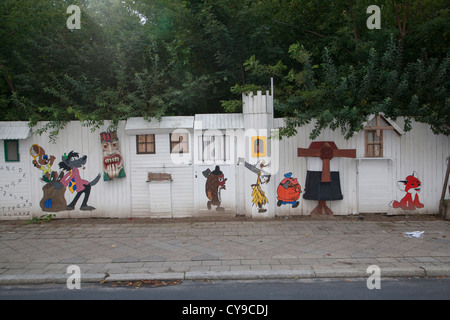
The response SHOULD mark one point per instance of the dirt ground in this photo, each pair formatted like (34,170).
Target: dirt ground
(362,217)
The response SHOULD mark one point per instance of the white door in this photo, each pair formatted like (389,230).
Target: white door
(160,198)
(374,185)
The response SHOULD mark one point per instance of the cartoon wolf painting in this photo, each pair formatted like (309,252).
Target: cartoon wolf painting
(73,181)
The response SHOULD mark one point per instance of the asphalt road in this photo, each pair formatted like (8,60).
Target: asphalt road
(254,290)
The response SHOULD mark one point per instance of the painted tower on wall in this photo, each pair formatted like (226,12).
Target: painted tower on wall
(261,154)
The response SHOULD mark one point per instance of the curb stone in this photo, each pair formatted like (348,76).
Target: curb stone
(429,271)
(436,271)
(46,279)
(340,273)
(145,276)
(250,275)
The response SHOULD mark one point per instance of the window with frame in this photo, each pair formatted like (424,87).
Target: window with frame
(259,146)
(11,150)
(179,142)
(214,146)
(145,144)
(374,143)
(374,132)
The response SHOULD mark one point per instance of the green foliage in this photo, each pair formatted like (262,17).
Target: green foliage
(152,58)
(355,72)
(110,69)
(43,218)
(232,106)
(345,97)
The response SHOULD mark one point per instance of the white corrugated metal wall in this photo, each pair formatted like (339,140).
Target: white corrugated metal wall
(419,150)
(110,198)
(290,162)
(181,188)
(16,200)
(422,151)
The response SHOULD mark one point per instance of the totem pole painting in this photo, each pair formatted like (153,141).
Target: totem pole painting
(112,157)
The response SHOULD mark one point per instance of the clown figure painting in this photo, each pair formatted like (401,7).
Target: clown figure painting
(112,158)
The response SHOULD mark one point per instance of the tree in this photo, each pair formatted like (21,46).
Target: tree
(344,97)
(169,57)
(356,72)
(110,69)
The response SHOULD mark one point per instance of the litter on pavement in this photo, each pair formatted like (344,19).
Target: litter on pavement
(414,234)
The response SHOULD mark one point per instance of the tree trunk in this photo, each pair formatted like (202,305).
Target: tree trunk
(7,79)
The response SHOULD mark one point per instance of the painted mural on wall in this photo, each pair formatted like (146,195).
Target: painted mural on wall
(258,196)
(411,185)
(288,191)
(112,158)
(53,199)
(215,183)
(43,162)
(15,200)
(324,185)
(72,179)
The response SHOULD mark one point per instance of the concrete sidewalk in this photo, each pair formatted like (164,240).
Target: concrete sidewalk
(140,249)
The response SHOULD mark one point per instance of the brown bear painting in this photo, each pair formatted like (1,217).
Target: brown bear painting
(215,182)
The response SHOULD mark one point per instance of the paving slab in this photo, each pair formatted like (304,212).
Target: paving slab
(215,249)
